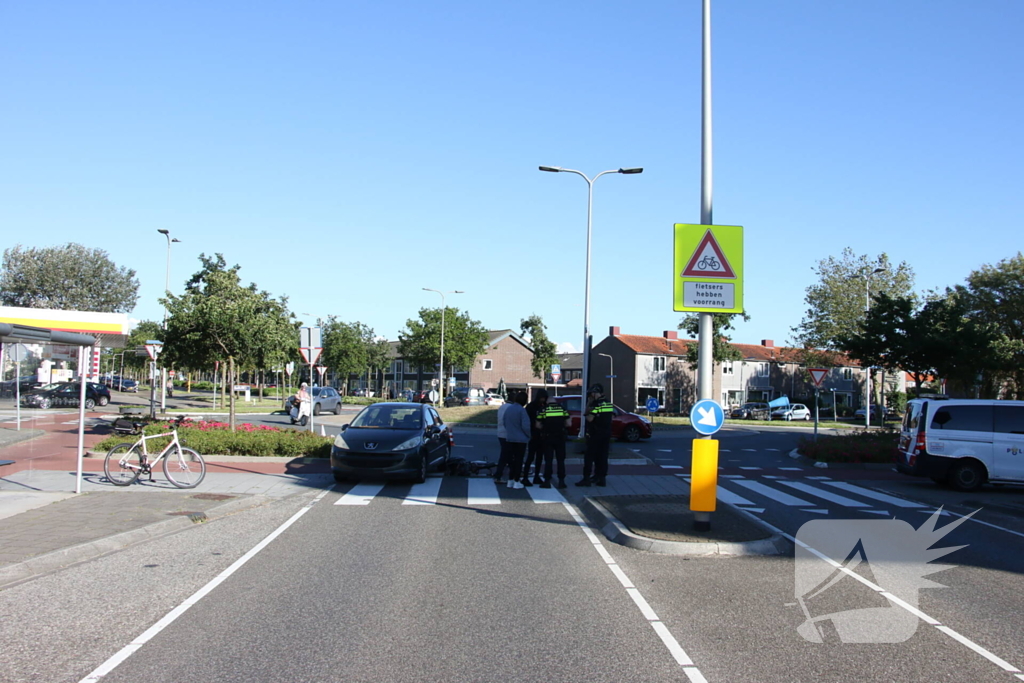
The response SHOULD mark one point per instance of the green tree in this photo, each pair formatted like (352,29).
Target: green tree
(345,347)
(836,303)
(721,349)
(420,341)
(144,331)
(216,318)
(378,357)
(70,277)
(545,352)
(995,296)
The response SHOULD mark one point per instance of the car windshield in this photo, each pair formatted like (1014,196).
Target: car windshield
(51,387)
(384,416)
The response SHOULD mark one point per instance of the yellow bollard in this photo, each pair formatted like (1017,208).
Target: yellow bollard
(704,481)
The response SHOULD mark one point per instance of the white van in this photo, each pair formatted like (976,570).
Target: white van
(963,442)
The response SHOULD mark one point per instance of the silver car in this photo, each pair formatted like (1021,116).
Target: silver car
(794,411)
(324,399)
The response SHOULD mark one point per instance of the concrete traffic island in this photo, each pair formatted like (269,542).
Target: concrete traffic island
(665,524)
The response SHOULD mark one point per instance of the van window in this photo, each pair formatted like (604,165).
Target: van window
(963,418)
(1010,419)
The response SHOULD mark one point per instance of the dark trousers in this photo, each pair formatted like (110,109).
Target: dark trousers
(595,458)
(534,454)
(515,457)
(503,461)
(554,449)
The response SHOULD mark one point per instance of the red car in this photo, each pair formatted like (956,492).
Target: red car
(626,426)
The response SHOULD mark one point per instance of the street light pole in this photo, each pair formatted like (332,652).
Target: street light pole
(586,295)
(167,292)
(611,375)
(440,369)
(867,308)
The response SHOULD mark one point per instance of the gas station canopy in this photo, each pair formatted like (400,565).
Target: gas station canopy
(79,328)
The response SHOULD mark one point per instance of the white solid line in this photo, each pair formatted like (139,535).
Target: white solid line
(750,468)
(672,644)
(748,509)
(975,519)
(820,511)
(483,491)
(1002,663)
(127,651)
(425,493)
(694,674)
(791,469)
(777,496)
(826,495)
(621,576)
(892,598)
(360,494)
(672,467)
(875,495)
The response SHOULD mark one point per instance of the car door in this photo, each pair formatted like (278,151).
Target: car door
(1008,443)
(962,430)
(437,440)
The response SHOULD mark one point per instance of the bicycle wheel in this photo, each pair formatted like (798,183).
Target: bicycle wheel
(185,469)
(123,464)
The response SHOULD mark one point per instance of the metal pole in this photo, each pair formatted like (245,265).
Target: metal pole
(81,418)
(867,375)
(611,375)
(705,341)
(17,385)
(440,369)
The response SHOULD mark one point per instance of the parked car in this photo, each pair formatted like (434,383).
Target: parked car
(465,396)
(25,384)
(392,440)
(121,383)
(963,442)
(626,426)
(878,414)
(751,411)
(493,399)
(794,411)
(66,395)
(324,398)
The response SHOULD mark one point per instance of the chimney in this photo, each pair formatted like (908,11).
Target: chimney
(767,343)
(613,331)
(671,334)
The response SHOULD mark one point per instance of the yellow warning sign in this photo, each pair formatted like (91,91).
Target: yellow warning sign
(708,268)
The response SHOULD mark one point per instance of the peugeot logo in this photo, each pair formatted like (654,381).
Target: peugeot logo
(371,445)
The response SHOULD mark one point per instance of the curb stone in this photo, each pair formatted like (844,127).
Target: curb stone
(617,532)
(65,557)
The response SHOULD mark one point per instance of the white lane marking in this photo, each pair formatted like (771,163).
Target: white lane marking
(875,495)
(820,478)
(791,469)
(974,519)
(819,511)
(671,644)
(540,495)
(664,450)
(483,491)
(724,450)
(748,509)
(901,603)
(425,493)
(773,476)
(460,445)
(826,495)
(883,513)
(127,651)
(777,496)
(360,494)
(727,496)
(732,476)
(772,449)
(749,450)
(750,468)
(672,467)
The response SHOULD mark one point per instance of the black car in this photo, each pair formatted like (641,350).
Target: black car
(26,383)
(66,395)
(392,440)
(466,396)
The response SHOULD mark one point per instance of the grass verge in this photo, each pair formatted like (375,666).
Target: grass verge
(216,438)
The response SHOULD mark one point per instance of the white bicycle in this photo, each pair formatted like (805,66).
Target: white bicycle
(182,466)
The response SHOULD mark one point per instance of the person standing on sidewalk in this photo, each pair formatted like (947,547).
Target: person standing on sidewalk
(499,476)
(599,436)
(535,449)
(517,436)
(553,421)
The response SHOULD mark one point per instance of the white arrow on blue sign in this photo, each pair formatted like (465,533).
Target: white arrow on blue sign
(652,405)
(707,417)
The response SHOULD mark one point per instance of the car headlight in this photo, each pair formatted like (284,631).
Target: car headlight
(644,419)
(414,442)
(339,442)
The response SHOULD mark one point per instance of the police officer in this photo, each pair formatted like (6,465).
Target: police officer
(553,422)
(599,435)
(535,449)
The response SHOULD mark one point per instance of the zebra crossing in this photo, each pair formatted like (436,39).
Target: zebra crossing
(478,492)
(820,497)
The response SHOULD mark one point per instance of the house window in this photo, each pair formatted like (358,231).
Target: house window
(847,373)
(762,369)
(488,364)
(659,363)
(727,369)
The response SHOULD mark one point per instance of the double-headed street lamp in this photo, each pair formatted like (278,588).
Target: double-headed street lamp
(586,295)
(867,308)
(440,368)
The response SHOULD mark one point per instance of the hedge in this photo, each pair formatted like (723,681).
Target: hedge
(860,446)
(216,438)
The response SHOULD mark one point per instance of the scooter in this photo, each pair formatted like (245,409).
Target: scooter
(300,414)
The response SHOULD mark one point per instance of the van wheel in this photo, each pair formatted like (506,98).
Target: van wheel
(966,476)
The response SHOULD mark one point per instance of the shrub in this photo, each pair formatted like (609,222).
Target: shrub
(216,438)
(861,446)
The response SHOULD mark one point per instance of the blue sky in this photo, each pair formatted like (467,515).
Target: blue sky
(349,154)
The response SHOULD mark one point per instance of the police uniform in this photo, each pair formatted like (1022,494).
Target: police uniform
(599,436)
(552,419)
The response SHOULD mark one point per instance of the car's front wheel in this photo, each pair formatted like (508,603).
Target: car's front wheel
(422,475)
(89,404)
(631,433)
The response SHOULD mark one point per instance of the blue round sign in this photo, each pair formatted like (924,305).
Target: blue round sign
(652,405)
(707,417)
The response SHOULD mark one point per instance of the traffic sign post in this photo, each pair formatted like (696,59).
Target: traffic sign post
(310,348)
(707,417)
(817,376)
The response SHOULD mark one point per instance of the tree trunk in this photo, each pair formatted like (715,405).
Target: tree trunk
(231,418)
